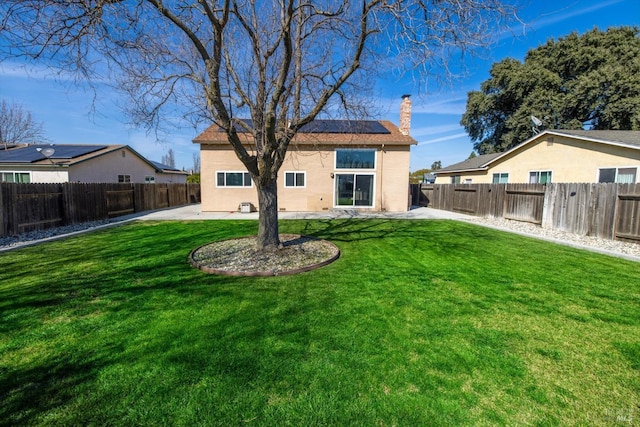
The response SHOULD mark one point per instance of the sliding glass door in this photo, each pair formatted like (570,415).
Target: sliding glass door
(354,189)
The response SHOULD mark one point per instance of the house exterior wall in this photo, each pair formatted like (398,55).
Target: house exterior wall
(568,159)
(107,167)
(170,178)
(479,177)
(391,179)
(42,175)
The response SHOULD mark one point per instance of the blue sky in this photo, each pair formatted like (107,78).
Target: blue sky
(67,116)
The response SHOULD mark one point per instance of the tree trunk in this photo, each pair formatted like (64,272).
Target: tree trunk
(268,235)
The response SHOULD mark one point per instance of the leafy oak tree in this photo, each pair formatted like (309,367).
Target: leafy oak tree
(579,81)
(279,63)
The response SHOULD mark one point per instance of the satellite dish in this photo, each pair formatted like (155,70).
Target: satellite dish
(536,123)
(47,152)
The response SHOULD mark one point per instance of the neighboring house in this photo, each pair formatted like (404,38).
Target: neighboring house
(590,156)
(82,163)
(330,164)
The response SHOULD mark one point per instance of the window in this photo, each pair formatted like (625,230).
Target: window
(468,181)
(354,190)
(619,175)
(500,178)
(19,177)
(150,179)
(294,179)
(124,178)
(233,179)
(455,179)
(539,177)
(355,159)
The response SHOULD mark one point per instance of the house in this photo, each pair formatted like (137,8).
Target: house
(82,163)
(589,156)
(330,164)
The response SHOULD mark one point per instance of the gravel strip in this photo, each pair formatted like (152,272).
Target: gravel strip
(619,248)
(43,235)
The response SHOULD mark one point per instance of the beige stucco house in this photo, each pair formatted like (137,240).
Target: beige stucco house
(82,163)
(330,164)
(555,156)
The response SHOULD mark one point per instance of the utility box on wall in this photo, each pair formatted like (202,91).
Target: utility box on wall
(245,207)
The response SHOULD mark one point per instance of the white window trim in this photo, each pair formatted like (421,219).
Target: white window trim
(232,186)
(354,172)
(539,171)
(295,186)
(335,159)
(617,168)
(124,175)
(499,173)
(20,172)
(150,179)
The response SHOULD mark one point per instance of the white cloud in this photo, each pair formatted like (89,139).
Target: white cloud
(443,139)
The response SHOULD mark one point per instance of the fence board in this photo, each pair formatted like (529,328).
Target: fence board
(607,211)
(524,202)
(27,207)
(628,213)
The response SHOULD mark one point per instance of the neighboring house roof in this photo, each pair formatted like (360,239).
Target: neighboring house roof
(477,163)
(334,132)
(166,168)
(68,155)
(621,138)
(63,153)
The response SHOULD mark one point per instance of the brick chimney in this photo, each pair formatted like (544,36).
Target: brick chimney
(405,115)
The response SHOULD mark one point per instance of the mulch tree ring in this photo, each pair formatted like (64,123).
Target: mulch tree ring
(240,257)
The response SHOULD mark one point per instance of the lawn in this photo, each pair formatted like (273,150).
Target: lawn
(417,323)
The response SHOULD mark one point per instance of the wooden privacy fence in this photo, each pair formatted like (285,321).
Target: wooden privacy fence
(610,211)
(28,207)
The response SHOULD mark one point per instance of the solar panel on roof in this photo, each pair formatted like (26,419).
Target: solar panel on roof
(30,154)
(73,151)
(345,126)
(333,126)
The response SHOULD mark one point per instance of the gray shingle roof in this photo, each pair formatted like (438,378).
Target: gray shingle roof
(631,137)
(478,162)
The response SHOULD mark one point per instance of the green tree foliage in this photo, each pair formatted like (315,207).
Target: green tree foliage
(194,178)
(417,176)
(580,81)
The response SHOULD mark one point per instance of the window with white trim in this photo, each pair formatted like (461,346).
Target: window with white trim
(19,177)
(233,179)
(618,175)
(539,177)
(295,179)
(124,178)
(500,178)
(355,158)
(150,179)
(455,179)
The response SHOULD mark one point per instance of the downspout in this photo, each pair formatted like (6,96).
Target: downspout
(382,208)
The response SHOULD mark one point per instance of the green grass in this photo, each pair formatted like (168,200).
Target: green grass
(417,323)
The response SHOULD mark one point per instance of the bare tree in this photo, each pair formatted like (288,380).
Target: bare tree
(196,163)
(279,63)
(17,126)
(169,159)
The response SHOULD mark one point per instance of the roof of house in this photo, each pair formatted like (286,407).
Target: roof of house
(68,155)
(623,138)
(166,168)
(480,162)
(333,132)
